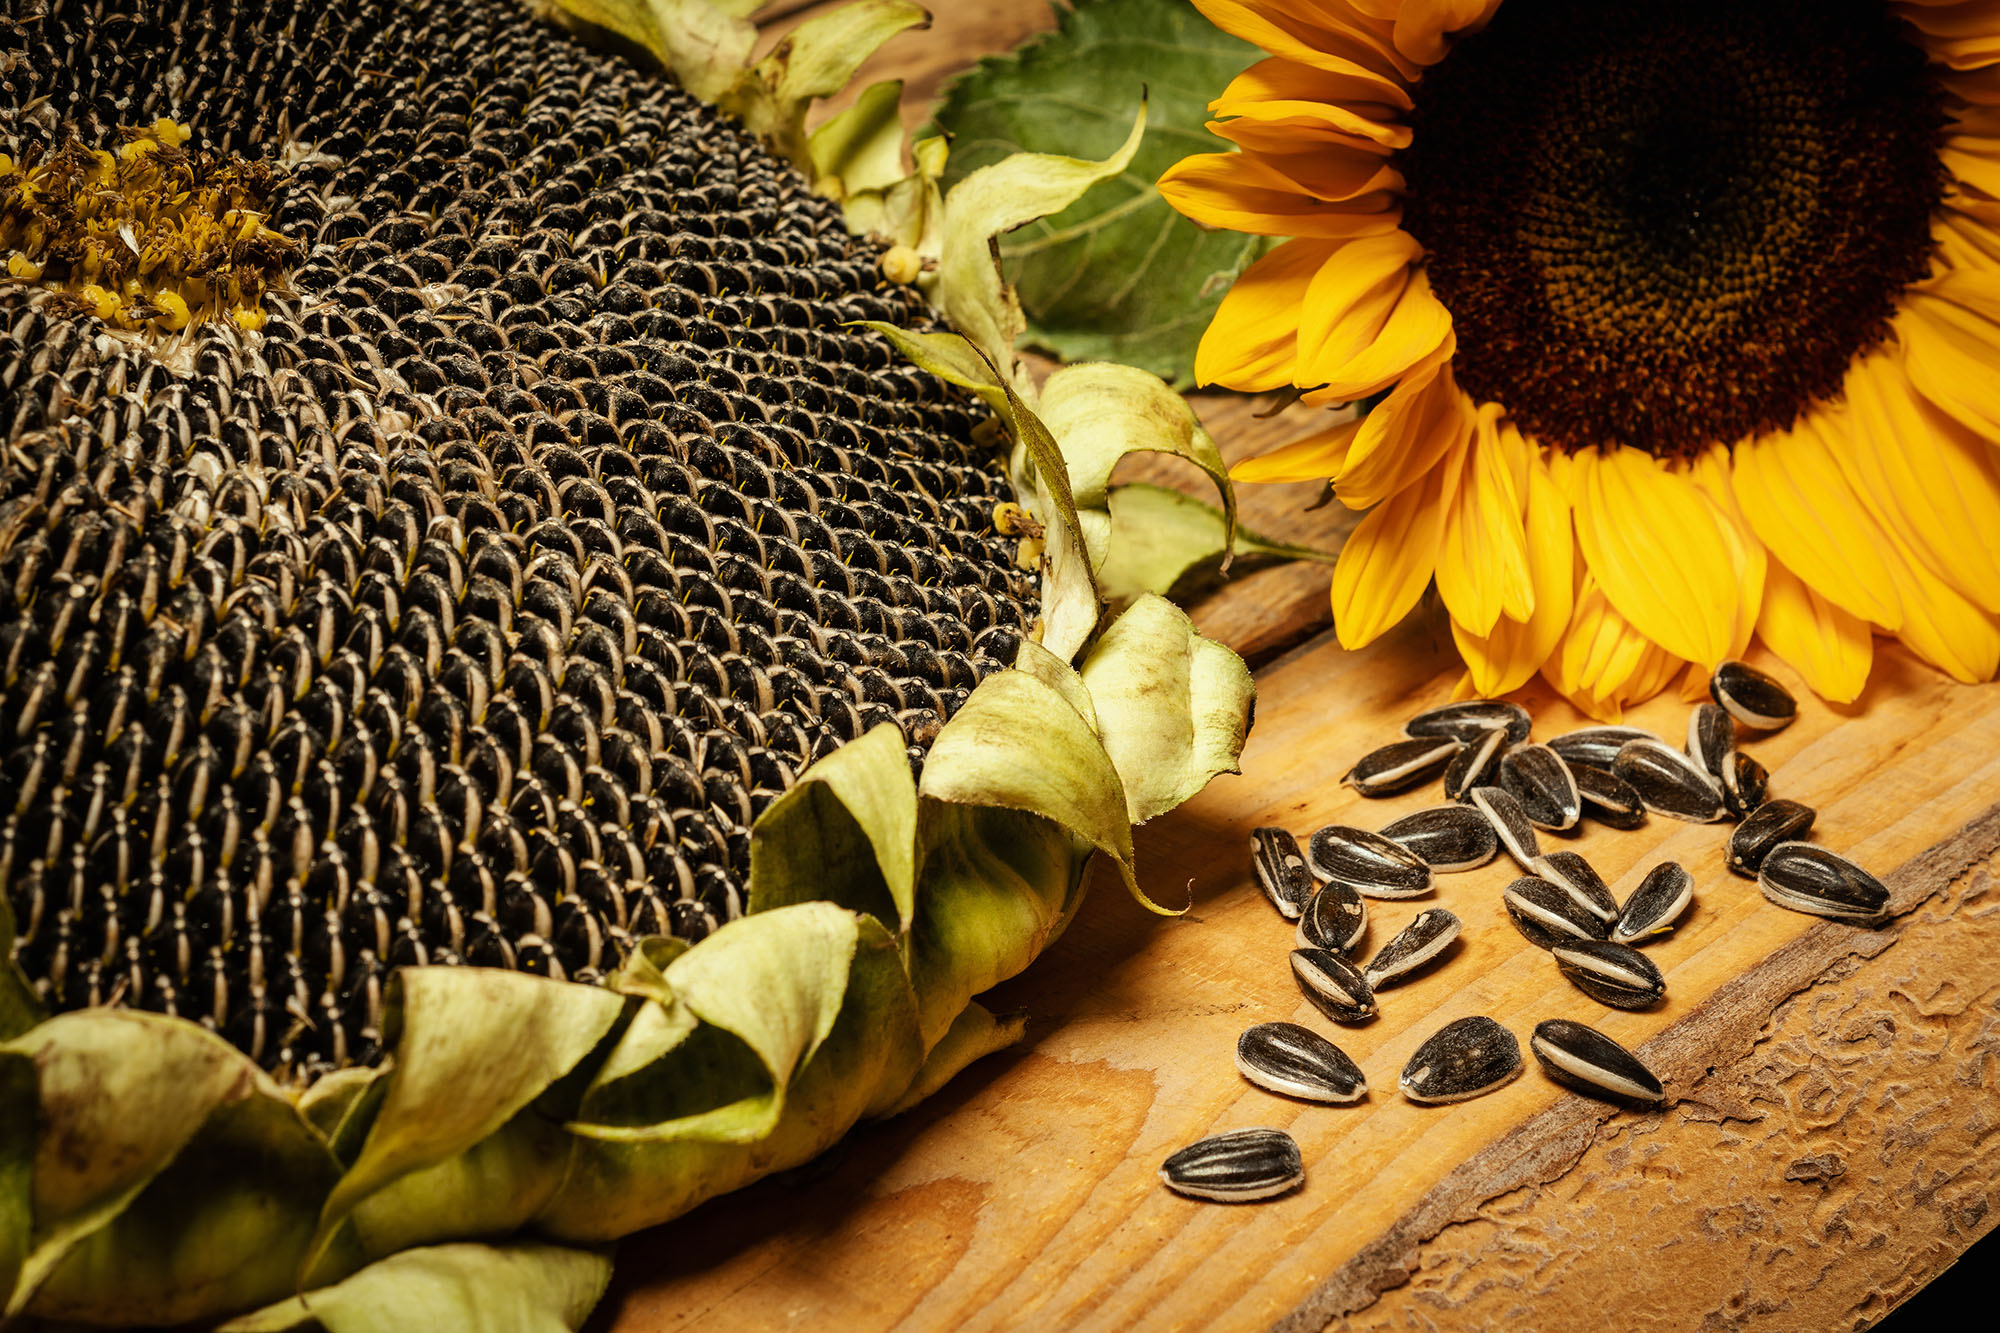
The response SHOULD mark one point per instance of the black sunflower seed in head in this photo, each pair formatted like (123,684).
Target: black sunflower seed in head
(1447,838)
(1416,945)
(1369,862)
(1516,834)
(1297,1062)
(1236,1167)
(1597,746)
(1608,798)
(1613,974)
(1744,784)
(1537,777)
(1711,739)
(1334,918)
(1655,907)
(1546,915)
(1764,828)
(1280,869)
(1477,765)
(1401,765)
(1812,879)
(1468,721)
(1334,986)
(1462,1060)
(1585,1059)
(1753,698)
(1668,782)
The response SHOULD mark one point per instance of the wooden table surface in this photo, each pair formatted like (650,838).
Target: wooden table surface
(1831,1141)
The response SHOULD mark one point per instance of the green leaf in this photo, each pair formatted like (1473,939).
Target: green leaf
(1119,275)
(522,1288)
(1165,542)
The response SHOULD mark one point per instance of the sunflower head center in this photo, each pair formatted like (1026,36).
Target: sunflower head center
(1673,225)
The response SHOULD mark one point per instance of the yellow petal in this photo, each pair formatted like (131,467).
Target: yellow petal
(1424,27)
(1655,545)
(1415,327)
(1960,36)
(1509,657)
(1317,455)
(1710,472)
(1940,626)
(1389,557)
(1252,343)
(1327,36)
(1830,648)
(1482,565)
(1424,418)
(1950,330)
(1289,81)
(1240,192)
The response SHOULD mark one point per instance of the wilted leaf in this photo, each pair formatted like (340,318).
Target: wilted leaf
(1165,542)
(523,1288)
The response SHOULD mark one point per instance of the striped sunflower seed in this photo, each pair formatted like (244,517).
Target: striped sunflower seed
(1447,838)
(1399,766)
(1417,944)
(1668,782)
(1237,1167)
(1281,871)
(1470,720)
(1537,777)
(1477,765)
(1334,985)
(1812,879)
(1613,974)
(1516,834)
(1752,697)
(1585,1059)
(1369,862)
(1744,783)
(1546,915)
(1460,1061)
(1597,746)
(1711,739)
(1297,1062)
(1768,825)
(1334,919)
(1579,878)
(1655,907)
(1608,798)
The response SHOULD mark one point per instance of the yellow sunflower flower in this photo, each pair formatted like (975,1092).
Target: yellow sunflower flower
(1676,322)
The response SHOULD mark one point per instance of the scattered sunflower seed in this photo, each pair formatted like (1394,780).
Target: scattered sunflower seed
(1447,838)
(1334,919)
(1608,798)
(1752,697)
(1415,945)
(1668,782)
(1812,879)
(1546,915)
(1281,871)
(1744,783)
(1236,1167)
(1537,777)
(1597,746)
(1401,765)
(1585,1059)
(1768,825)
(1656,905)
(1297,1062)
(1369,862)
(1516,834)
(1334,985)
(1579,878)
(1613,974)
(1477,765)
(1468,721)
(1711,739)
(1462,1060)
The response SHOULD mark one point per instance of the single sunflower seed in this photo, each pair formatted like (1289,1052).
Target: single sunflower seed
(1711,739)
(1516,834)
(1447,838)
(1399,766)
(1579,878)
(1334,985)
(1297,1062)
(1334,919)
(1812,879)
(1418,943)
(1585,1059)
(1477,765)
(1369,862)
(1597,746)
(1460,1061)
(1468,721)
(1668,782)
(1744,784)
(1613,974)
(1764,828)
(1537,777)
(1608,798)
(1236,1167)
(1655,907)
(1546,915)
(1753,698)
(1281,870)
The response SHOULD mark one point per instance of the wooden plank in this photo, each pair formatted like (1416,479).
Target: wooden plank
(1026,1193)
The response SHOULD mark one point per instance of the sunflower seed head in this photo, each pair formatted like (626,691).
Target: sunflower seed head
(1401,765)
(1744,784)
(1369,862)
(1470,720)
(1536,776)
(1416,945)
(1597,746)
(1297,1062)
(1334,985)
(1477,765)
(1579,878)
(1711,739)
(1460,1061)
(1333,919)
(1236,1167)
(1668,782)
(1511,826)
(1447,838)
(1812,879)
(1753,698)
(1613,974)
(1608,798)
(1655,907)
(1585,1059)
(1764,828)
(1546,915)
(1280,869)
